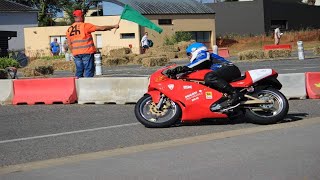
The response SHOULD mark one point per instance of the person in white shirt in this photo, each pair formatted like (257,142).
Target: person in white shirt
(277,36)
(144,42)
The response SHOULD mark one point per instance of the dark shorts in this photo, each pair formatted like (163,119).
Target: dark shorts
(145,47)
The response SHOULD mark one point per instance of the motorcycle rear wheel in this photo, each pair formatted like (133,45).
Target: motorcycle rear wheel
(148,115)
(269,113)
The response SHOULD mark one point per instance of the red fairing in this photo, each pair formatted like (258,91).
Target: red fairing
(193,98)
(246,82)
(254,76)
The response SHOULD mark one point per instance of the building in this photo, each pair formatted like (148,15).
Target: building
(262,16)
(5,36)
(171,15)
(15,17)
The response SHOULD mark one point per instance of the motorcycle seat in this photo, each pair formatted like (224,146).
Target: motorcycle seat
(239,78)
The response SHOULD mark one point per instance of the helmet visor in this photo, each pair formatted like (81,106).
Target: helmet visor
(189,55)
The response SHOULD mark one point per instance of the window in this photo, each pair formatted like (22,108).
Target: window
(165,21)
(282,24)
(127,35)
(201,36)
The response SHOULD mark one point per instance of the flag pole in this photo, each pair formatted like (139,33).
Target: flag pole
(118,24)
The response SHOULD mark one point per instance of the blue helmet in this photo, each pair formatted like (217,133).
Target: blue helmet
(197,51)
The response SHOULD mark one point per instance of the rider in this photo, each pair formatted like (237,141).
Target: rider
(223,72)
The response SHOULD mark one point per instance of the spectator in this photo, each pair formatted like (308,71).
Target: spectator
(55,47)
(81,44)
(145,42)
(65,46)
(277,36)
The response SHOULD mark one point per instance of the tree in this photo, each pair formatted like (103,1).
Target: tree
(68,6)
(49,8)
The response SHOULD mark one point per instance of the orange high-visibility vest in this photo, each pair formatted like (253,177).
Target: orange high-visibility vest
(80,38)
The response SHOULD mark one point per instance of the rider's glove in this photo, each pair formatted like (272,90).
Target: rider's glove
(181,69)
(178,70)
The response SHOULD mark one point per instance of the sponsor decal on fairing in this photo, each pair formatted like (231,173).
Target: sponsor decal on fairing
(187,87)
(194,95)
(209,95)
(171,86)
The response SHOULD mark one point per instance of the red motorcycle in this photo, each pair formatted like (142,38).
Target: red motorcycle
(186,98)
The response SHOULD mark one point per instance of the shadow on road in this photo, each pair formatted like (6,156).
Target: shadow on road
(294,117)
(291,117)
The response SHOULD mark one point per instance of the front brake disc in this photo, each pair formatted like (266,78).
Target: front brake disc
(155,111)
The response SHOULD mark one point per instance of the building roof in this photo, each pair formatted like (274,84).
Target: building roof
(8,6)
(158,7)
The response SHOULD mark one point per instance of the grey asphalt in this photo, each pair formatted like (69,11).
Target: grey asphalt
(118,128)
(108,127)
(280,154)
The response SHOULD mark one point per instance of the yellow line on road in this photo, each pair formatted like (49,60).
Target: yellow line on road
(147,147)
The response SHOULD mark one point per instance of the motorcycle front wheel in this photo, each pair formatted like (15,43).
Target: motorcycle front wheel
(270,113)
(150,116)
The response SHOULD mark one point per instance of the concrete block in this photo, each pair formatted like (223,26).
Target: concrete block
(6,92)
(118,90)
(293,85)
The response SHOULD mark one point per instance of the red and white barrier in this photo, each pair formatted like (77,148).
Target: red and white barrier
(6,92)
(44,91)
(313,85)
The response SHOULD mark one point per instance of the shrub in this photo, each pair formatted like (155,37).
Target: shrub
(177,37)
(278,53)
(316,50)
(3,74)
(251,54)
(8,62)
(53,57)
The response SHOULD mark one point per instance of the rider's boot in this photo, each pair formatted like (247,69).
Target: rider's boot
(230,101)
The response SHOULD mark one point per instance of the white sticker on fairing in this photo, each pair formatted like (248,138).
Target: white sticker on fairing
(187,87)
(193,95)
(258,74)
(171,86)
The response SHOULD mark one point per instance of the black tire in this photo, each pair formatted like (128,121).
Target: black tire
(152,118)
(280,105)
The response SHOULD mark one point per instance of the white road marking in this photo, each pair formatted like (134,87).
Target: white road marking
(289,69)
(313,67)
(67,133)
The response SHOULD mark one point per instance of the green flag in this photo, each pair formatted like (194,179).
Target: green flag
(131,14)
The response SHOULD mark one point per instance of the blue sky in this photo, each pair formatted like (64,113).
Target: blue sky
(111,9)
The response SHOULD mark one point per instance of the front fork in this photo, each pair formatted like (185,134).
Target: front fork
(161,102)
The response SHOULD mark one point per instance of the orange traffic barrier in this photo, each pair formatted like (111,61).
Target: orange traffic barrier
(280,46)
(44,91)
(313,85)
(223,52)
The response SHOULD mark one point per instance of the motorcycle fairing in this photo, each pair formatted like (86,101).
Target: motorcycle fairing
(253,76)
(258,74)
(190,96)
